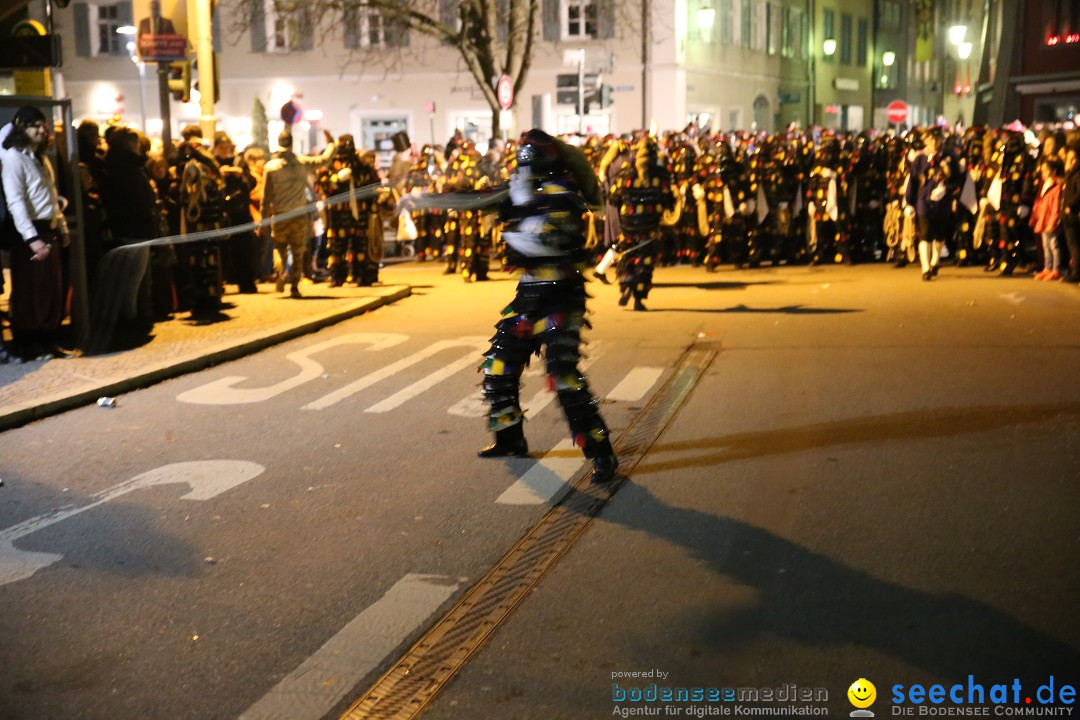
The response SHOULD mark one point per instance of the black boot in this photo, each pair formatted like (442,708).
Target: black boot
(639,306)
(508,443)
(604,467)
(625,296)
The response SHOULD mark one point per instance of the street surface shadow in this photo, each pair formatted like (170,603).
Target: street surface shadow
(819,602)
(116,538)
(935,423)
(786,310)
(717,285)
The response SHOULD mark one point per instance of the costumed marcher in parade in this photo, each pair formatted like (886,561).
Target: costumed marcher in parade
(867,199)
(466,249)
(355,250)
(545,239)
(642,192)
(823,209)
(285,186)
(774,171)
(426,175)
(929,201)
(617,155)
(971,171)
(1010,195)
(40,230)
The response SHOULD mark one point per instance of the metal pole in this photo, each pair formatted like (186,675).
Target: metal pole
(645,11)
(166,111)
(142,93)
(581,92)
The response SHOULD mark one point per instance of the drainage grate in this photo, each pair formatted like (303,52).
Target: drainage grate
(413,681)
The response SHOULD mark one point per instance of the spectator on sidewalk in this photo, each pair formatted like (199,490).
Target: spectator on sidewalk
(1070,212)
(238,256)
(37,289)
(1046,217)
(285,183)
(122,291)
(254,160)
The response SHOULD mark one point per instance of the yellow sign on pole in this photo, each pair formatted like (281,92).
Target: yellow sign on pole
(33,82)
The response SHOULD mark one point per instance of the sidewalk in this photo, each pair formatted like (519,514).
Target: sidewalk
(250,323)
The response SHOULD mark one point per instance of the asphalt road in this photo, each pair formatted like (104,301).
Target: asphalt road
(875,477)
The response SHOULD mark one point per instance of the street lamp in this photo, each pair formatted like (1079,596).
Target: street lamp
(829,47)
(957,33)
(963,50)
(888,59)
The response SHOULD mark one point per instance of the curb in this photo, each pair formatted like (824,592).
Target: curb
(28,412)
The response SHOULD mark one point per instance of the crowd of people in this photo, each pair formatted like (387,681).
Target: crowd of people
(1006,199)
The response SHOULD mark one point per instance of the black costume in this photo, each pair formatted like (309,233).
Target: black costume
(353,228)
(641,192)
(545,239)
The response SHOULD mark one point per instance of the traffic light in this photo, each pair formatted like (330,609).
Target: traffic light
(605,96)
(601,97)
(566,87)
(180,80)
(217,79)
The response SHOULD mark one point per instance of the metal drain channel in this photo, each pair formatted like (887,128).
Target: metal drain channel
(415,679)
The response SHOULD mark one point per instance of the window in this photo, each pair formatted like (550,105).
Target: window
(579,19)
(282,26)
(745,15)
(109,20)
(759,25)
(729,20)
(828,27)
(792,40)
(370,30)
(776,27)
(888,15)
(862,42)
(845,39)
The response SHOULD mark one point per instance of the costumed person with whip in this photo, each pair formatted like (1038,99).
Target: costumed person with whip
(545,239)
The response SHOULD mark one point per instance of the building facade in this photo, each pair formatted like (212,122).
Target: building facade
(727,64)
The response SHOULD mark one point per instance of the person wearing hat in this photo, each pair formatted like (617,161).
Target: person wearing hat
(37,288)
(285,183)
(545,239)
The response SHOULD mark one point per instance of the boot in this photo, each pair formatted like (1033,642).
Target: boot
(604,467)
(639,306)
(624,298)
(508,443)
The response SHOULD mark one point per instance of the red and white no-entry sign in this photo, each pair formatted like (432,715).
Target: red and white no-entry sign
(504,91)
(897,112)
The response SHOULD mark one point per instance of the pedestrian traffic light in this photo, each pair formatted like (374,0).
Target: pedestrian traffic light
(180,80)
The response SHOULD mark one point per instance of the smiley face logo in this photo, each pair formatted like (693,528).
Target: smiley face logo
(862,693)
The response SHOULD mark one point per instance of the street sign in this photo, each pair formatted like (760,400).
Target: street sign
(504,91)
(291,112)
(897,112)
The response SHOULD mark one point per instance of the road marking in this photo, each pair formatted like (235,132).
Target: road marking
(636,384)
(474,405)
(393,369)
(546,480)
(221,392)
(401,397)
(207,479)
(313,688)
(1013,298)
